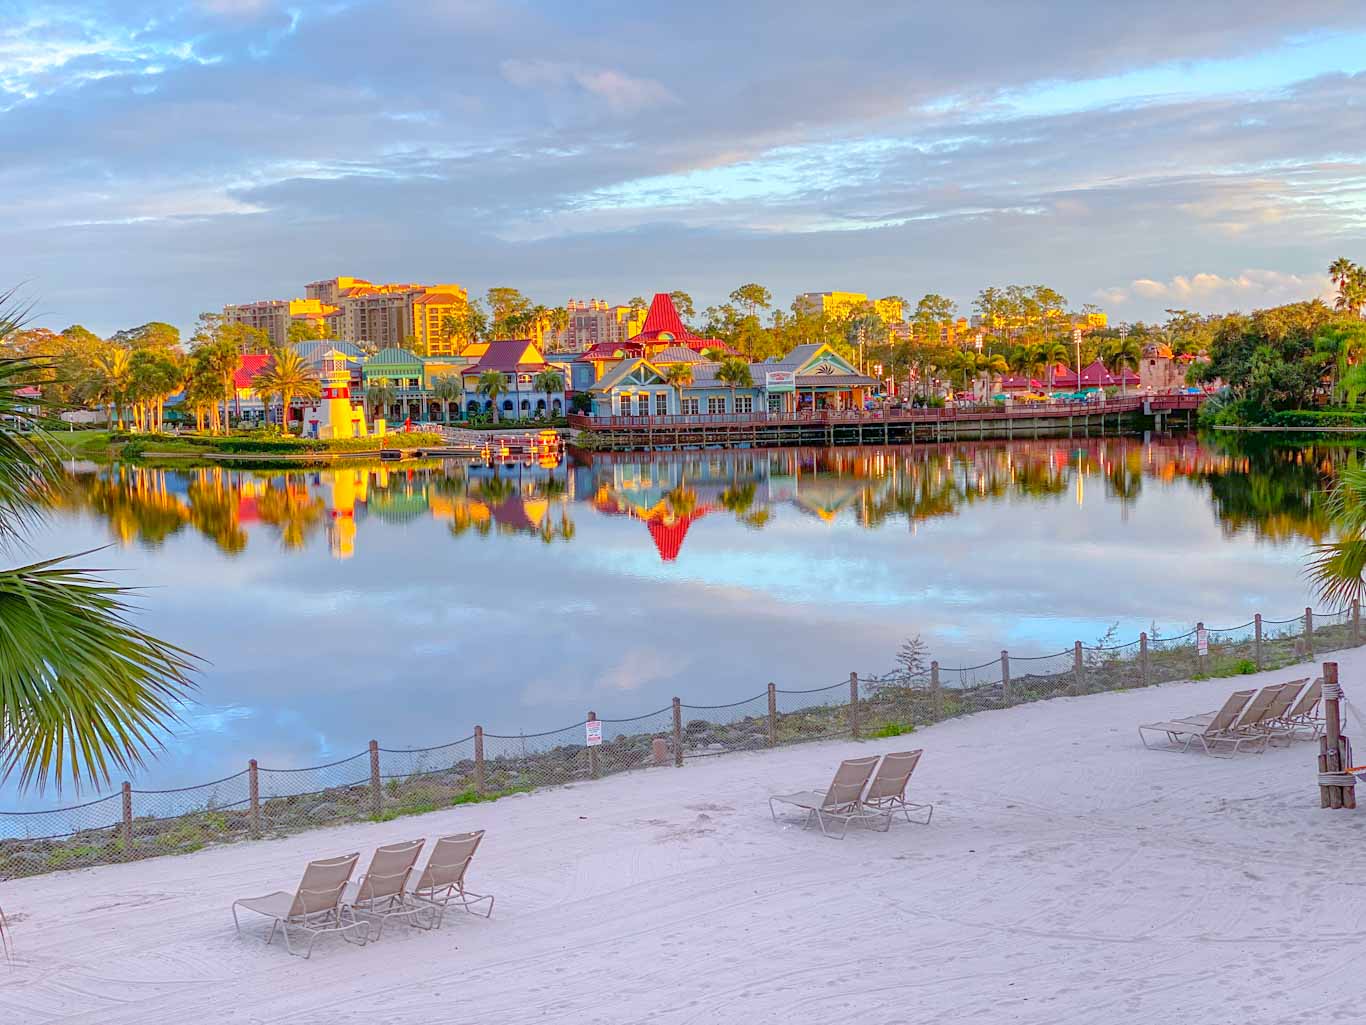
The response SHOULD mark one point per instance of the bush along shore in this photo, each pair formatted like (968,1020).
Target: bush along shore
(381,784)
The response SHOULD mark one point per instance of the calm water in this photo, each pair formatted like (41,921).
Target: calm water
(335,606)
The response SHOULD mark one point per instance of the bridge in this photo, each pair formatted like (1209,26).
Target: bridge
(949,423)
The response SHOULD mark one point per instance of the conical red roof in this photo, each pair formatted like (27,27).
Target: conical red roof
(668,537)
(662,317)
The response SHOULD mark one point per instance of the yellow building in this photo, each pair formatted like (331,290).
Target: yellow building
(431,313)
(840,304)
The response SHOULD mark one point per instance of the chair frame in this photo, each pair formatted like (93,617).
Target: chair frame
(331,919)
(845,806)
(391,902)
(890,803)
(436,898)
(1222,729)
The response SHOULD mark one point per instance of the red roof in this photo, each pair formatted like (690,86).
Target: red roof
(668,537)
(248,367)
(1093,376)
(662,316)
(610,350)
(508,357)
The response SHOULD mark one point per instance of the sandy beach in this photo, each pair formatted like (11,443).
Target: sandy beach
(1069,875)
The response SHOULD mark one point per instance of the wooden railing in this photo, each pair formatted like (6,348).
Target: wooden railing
(1158,402)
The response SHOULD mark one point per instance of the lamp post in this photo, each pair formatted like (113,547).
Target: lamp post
(1076,342)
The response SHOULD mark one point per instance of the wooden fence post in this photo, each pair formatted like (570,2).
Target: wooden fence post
(853,705)
(1333,746)
(1309,632)
(772,715)
(1356,622)
(254,797)
(1143,673)
(479,759)
(594,759)
(936,697)
(1257,640)
(678,733)
(1077,687)
(376,796)
(1201,661)
(1005,678)
(126,830)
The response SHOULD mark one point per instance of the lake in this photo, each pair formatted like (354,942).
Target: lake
(409,602)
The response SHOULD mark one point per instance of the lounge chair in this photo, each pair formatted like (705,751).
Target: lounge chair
(1273,723)
(314,908)
(443,880)
(842,802)
(1219,730)
(379,894)
(887,789)
(1304,715)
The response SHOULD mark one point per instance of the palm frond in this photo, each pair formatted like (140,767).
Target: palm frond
(82,691)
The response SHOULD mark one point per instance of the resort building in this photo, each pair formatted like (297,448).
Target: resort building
(1160,370)
(330,290)
(809,377)
(840,304)
(594,322)
(274,316)
(520,363)
(662,329)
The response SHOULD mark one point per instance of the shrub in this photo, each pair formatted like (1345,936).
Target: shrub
(894,729)
(1317,418)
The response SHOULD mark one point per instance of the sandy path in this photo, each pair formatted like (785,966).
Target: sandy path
(1069,876)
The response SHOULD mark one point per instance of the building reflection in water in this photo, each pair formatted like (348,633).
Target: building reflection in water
(1273,493)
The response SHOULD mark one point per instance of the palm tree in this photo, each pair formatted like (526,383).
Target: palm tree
(679,376)
(1337,566)
(1347,276)
(448,388)
(734,373)
(491,385)
(110,380)
(1051,354)
(286,375)
(548,382)
(82,691)
(379,393)
(218,361)
(1120,355)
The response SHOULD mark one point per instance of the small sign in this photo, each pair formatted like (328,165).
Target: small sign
(777,381)
(594,731)
(1202,641)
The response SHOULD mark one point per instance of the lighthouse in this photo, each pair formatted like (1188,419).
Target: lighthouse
(335,415)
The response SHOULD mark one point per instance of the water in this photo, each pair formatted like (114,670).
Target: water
(408,605)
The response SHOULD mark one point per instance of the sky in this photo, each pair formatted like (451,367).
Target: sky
(160,159)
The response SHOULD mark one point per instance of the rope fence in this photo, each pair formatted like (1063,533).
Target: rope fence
(382,783)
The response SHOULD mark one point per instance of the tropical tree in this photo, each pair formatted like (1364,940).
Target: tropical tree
(201,399)
(109,380)
(1337,566)
(683,303)
(1122,354)
(1053,353)
(380,394)
(1350,279)
(734,373)
(218,359)
(548,382)
(82,691)
(154,376)
(678,376)
(448,388)
(491,385)
(286,375)
(753,297)
(974,366)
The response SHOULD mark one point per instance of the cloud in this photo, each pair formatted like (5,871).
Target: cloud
(1208,292)
(622,93)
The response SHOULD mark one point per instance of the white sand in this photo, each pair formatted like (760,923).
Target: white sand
(1069,876)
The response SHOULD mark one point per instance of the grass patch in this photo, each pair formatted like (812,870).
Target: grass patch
(894,729)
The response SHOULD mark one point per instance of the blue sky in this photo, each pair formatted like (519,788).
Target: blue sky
(163,159)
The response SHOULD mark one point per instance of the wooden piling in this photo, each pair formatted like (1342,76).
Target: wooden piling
(1201,660)
(1333,746)
(1144,674)
(1257,640)
(1077,687)
(126,829)
(1005,678)
(936,696)
(376,795)
(254,797)
(479,759)
(772,715)
(678,733)
(853,705)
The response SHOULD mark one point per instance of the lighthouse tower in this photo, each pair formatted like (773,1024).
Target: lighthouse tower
(335,415)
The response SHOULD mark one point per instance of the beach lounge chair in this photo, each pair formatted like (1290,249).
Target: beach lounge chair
(379,894)
(842,802)
(1273,723)
(1219,730)
(1304,715)
(887,789)
(443,880)
(314,908)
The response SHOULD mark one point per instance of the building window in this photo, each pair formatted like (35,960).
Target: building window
(643,404)
(661,403)
(626,405)
(775,403)
(744,404)
(716,404)
(689,407)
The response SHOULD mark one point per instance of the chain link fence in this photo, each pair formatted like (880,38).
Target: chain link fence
(382,783)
